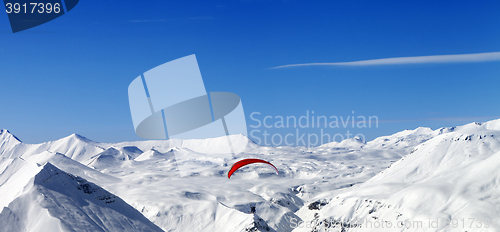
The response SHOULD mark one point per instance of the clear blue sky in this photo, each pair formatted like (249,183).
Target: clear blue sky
(71,75)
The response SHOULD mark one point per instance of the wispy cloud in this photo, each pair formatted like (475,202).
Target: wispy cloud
(169,20)
(459,58)
(148,20)
(200,18)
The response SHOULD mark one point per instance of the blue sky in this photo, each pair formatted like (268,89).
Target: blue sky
(71,75)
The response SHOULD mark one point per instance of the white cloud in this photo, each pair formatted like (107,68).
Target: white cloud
(147,20)
(169,20)
(460,58)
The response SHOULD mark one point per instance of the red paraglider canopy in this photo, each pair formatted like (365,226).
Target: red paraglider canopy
(245,162)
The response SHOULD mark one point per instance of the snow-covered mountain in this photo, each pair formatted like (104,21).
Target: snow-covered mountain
(450,182)
(355,142)
(53,200)
(7,141)
(447,173)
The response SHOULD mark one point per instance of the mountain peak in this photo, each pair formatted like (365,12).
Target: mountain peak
(79,137)
(5,134)
(48,170)
(58,197)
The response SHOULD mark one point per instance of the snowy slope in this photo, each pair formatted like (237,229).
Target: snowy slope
(207,200)
(408,175)
(110,157)
(54,200)
(16,174)
(449,183)
(355,142)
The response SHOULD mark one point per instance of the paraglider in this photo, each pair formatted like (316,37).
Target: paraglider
(245,162)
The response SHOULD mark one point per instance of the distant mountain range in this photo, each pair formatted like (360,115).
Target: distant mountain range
(420,175)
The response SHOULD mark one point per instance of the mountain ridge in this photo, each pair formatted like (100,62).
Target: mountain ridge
(87,206)
(373,179)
